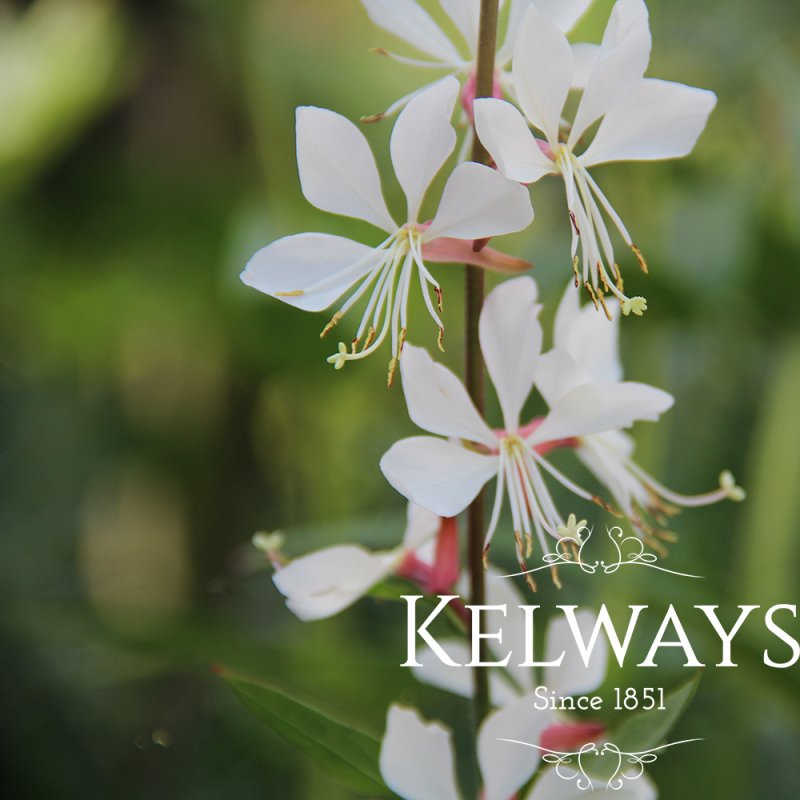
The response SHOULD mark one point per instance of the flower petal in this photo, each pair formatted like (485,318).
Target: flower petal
(323,583)
(600,407)
(589,337)
(437,400)
(625,53)
(422,140)
(436,474)
(660,120)
(505,765)
(564,13)
(511,340)
(462,251)
(551,786)
(508,140)
(543,67)
(422,526)
(557,374)
(573,677)
(290,268)
(337,169)
(433,672)
(417,759)
(478,203)
(465,15)
(411,23)
(586,56)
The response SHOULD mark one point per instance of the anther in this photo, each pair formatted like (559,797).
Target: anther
(331,325)
(640,258)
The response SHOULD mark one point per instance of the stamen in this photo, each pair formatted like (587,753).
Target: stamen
(640,258)
(294,293)
(331,325)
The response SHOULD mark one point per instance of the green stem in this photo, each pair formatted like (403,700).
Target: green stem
(474,369)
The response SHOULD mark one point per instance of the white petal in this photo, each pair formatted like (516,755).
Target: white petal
(543,68)
(600,407)
(557,374)
(411,23)
(478,202)
(508,140)
(507,766)
(588,336)
(439,475)
(422,140)
(437,400)
(572,677)
(511,341)
(325,582)
(434,672)
(564,13)
(295,264)
(466,16)
(421,526)
(337,169)
(659,120)
(552,787)
(586,56)
(417,759)
(624,56)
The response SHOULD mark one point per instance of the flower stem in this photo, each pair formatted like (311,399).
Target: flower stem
(474,368)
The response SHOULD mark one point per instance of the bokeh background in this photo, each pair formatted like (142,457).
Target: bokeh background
(155,413)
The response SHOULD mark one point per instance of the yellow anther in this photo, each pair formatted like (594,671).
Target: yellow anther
(392,370)
(440,339)
(295,293)
(331,325)
(640,258)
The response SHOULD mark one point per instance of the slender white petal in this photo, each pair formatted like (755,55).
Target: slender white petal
(564,14)
(573,677)
(479,202)
(543,67)
(337,169)
(511,341)
(438,475)
(557,374)
(508,140)
(660,120)
(596,408)
(433,672)
(551,786)
(625,53)
(421,527)
(590,338)
(321,584)
(586,56)
(407,20)
(465,15)
(416,758)
(292,267)
(422,140)
(437,400)
(506,766)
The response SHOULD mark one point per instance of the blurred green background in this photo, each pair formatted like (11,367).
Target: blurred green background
(155,413)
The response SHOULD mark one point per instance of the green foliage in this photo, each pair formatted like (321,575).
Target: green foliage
(345,753)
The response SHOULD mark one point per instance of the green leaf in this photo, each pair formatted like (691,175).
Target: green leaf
(650,728)
(347,755)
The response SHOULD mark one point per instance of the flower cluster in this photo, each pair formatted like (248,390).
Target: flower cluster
(558,108)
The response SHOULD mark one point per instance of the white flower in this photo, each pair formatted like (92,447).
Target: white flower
(642,120)
(445,476)
(407,20)
(323,583)
(338,174)
(586,351)
(516,717)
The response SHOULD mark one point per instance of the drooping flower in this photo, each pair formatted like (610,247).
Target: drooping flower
(586,350)
(445,475)
(408,21)
(324,583)
(504,768)
(641,119)
(338,174)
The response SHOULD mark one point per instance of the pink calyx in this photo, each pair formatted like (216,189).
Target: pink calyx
(470,89)
(545,447)
(440,576)
(569,737)
(445,250)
